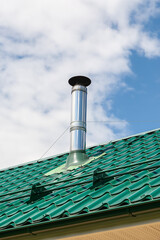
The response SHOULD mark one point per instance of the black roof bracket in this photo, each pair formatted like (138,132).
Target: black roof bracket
(100,178)
(37,192)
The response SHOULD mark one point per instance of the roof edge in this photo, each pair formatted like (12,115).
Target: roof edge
(137,208)
(134,135)
(91,146)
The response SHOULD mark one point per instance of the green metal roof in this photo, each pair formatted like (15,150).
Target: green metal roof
(130,171)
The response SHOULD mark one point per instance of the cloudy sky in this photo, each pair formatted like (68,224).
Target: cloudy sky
(45,42)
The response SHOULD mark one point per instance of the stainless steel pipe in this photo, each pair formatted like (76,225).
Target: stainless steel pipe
(78,118)
(77,154)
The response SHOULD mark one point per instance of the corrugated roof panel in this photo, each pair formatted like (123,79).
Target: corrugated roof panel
(73,192)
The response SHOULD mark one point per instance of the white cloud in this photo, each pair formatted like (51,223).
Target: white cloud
(42,44)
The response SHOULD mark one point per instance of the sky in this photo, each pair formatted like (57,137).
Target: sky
(44,43)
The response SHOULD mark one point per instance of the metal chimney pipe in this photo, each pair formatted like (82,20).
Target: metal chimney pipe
(77,154)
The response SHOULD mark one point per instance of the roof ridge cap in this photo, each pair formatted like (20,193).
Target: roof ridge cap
(57,155)
(123,138)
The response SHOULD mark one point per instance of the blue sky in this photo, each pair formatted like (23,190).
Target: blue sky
(140,105)
(44,43)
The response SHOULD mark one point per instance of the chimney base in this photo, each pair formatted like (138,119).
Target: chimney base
(75,158)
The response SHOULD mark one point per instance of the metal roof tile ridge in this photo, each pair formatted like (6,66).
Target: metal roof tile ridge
(33,161)
(123,138)
(61,154)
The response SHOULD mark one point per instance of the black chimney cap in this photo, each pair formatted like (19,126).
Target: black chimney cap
(79,80)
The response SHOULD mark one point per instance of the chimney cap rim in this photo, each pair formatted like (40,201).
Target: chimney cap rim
(79,80)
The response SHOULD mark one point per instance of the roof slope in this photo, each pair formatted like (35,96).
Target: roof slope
(133,164)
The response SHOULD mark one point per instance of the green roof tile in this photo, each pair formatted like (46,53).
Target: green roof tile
(97,203)
(133,162)
(120,198)
(156,193)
